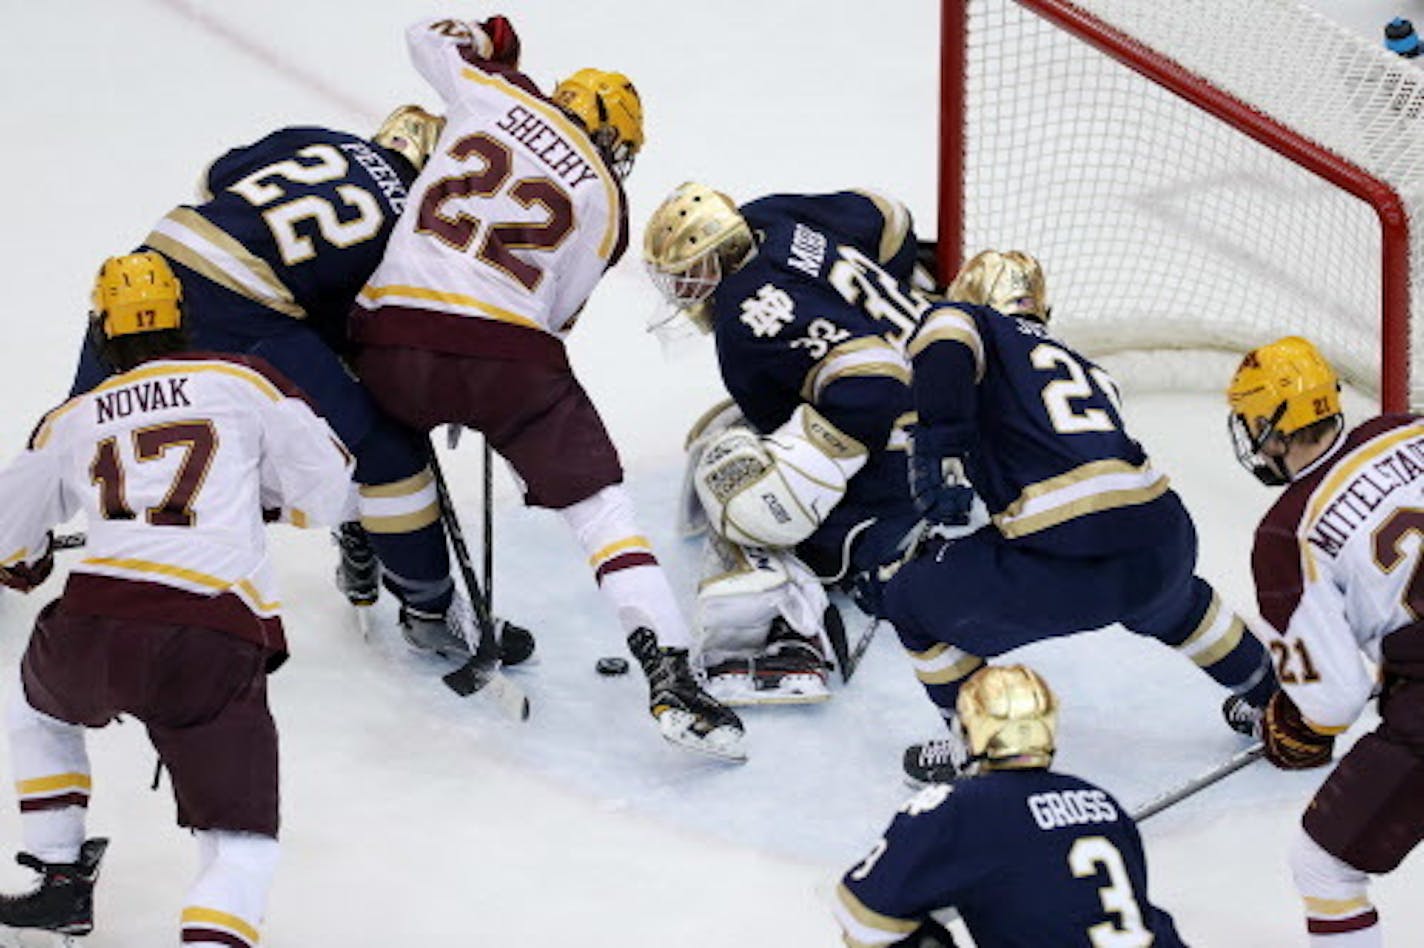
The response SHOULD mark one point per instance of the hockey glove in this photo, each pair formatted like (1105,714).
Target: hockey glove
(938,485)
(504,42)
(930,934)
(26,576)
(1292,744)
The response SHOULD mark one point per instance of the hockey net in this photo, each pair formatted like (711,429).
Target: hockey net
(1193,174)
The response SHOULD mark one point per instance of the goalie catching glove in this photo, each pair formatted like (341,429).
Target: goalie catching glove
(1291,743)
(775,490)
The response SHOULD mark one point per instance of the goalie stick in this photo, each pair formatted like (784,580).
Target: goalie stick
(1174,795)
(481,672)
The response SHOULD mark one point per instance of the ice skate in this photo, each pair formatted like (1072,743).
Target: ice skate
(937,761)
(63,902)
(455,634)
(686,715)
(358,573)
(1242,717)
(791,670)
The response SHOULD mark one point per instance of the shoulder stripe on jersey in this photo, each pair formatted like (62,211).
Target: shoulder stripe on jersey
(866,927)
(151,370)
(945,323)
(576,137)
(868,355)
(46,426)
(15,557)
(187,237)
(896,226)
(1347,468)
(1088,488)
(404,294)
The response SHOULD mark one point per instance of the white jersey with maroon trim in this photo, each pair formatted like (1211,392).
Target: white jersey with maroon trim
(172,464)
(1339,565)
(515,217)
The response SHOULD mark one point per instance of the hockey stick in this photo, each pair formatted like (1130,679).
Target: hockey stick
(70,541)
(487,505)
(481,672)
(1177,794)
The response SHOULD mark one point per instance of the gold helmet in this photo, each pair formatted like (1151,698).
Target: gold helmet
(412,132)
(608,107)
(136,293)
(1010,282)
(1009,716)
(1277,390)
(694,238)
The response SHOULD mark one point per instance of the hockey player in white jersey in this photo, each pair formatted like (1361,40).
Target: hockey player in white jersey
(509,227)
(172,614)
(1337,564)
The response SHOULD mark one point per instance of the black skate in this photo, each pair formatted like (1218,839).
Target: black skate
(456,633)
(64,900)
(686,715)
(1242,717)
(791,670)
(940,761)
(358,573)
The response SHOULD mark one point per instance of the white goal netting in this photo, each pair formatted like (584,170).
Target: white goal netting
(1162,226)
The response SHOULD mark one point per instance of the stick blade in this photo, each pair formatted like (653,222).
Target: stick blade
(480,676)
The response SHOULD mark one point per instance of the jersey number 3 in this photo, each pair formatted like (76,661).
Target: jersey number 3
(1091,855)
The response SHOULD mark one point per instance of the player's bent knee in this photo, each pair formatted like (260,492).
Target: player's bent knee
(1320,875)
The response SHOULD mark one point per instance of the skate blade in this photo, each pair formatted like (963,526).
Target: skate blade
(33,938)
(361,616)
(723,743)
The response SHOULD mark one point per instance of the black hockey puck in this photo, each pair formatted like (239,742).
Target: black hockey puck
(611,665)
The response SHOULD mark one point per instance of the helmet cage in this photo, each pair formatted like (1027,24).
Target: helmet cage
(691,284)
(1266,469)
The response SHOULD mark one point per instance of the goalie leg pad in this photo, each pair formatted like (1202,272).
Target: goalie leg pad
(761,632)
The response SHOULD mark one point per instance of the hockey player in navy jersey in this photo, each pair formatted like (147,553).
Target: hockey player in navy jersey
(802,474)
(1029,858)
(1084,530)
(284,234)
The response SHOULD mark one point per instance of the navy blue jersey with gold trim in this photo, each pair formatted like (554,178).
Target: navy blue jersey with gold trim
(294,223)
(1029,858)
(1041,427)
(819,315)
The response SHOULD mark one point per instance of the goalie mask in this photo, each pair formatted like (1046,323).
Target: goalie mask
(1011,282)
(1278,390)
(136,293)
(411,132)
(694,238)
(1009,716)
(608,107)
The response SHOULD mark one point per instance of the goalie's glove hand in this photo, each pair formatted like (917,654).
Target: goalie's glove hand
(938,484)
(930,934)
(503,40)
(26,576)
(1291,744)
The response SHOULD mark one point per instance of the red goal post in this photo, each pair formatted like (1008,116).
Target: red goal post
(1194,174)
